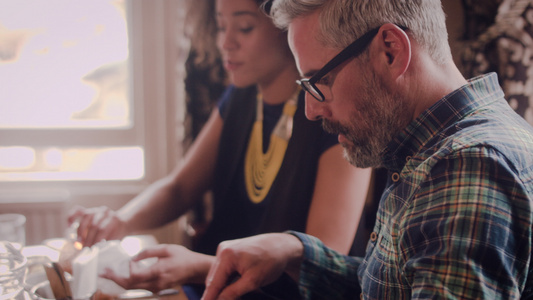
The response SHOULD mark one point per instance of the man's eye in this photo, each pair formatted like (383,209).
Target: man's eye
(326,80)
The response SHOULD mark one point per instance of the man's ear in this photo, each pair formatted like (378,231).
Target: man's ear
(394,50)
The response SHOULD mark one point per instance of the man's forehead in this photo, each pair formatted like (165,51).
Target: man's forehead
(301,34)
(309,53)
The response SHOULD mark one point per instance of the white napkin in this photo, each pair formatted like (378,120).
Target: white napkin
(114,257)
(85,273)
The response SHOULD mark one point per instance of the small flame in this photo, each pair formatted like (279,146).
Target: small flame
(78,245)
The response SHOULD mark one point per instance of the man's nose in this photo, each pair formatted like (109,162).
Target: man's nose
(314,110)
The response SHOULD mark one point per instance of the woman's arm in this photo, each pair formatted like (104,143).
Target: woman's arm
(338,200)
(173,195)
(164,200)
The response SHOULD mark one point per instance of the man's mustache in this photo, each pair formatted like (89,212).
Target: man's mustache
(334,127)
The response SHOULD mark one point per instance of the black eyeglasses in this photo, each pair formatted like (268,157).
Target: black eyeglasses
(353,50)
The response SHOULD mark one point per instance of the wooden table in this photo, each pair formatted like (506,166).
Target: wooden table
(179,296)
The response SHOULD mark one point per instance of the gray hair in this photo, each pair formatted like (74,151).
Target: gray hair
(342,21)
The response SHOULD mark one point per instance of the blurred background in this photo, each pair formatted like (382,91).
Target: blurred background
(100,98)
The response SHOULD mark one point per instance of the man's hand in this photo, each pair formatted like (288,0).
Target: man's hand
(247,264)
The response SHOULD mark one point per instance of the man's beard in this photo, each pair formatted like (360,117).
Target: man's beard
(383,115)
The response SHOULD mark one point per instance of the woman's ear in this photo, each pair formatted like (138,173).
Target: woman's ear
(394,50)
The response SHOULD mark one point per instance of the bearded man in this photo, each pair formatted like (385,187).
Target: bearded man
(456,219)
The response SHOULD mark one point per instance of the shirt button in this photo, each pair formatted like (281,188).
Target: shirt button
(373,236)
(395,177)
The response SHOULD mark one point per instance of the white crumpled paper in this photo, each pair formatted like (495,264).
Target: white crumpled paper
(85,273)
(112,255)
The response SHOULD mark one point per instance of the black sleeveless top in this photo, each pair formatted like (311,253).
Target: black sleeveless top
(287,204)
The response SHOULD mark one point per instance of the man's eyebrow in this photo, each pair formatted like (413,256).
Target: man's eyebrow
(309,73)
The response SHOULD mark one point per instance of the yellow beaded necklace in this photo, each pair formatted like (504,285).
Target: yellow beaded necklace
(260,169)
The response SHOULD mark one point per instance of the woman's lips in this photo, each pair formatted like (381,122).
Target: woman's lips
(232,65)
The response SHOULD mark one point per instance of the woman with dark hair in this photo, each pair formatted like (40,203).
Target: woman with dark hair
(269,167)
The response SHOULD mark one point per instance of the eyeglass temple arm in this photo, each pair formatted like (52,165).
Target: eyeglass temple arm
(354,49)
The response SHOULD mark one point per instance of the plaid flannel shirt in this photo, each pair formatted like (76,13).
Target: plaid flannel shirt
(455,221)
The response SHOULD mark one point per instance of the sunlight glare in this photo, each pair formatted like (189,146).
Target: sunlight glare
(53,158)
(17,157)
(52,49)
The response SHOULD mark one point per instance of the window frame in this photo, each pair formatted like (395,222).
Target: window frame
(155,35)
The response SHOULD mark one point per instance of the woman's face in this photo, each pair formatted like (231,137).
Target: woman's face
(253,49)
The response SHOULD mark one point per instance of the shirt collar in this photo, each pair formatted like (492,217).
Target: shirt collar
(478,92)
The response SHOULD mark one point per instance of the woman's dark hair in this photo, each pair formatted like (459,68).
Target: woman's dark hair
(265,5)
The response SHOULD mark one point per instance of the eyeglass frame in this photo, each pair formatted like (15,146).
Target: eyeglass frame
(353,50)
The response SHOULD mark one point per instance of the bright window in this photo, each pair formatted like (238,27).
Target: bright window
(74,80)
(64,64)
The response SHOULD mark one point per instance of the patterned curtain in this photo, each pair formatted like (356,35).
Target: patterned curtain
(499,37)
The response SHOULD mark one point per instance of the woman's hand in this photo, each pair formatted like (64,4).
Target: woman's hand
(175,265)
(97,224)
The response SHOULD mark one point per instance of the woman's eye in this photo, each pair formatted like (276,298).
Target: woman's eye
(247,29)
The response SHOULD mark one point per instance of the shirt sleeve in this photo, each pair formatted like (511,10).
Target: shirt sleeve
(326,274)
(467,234)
